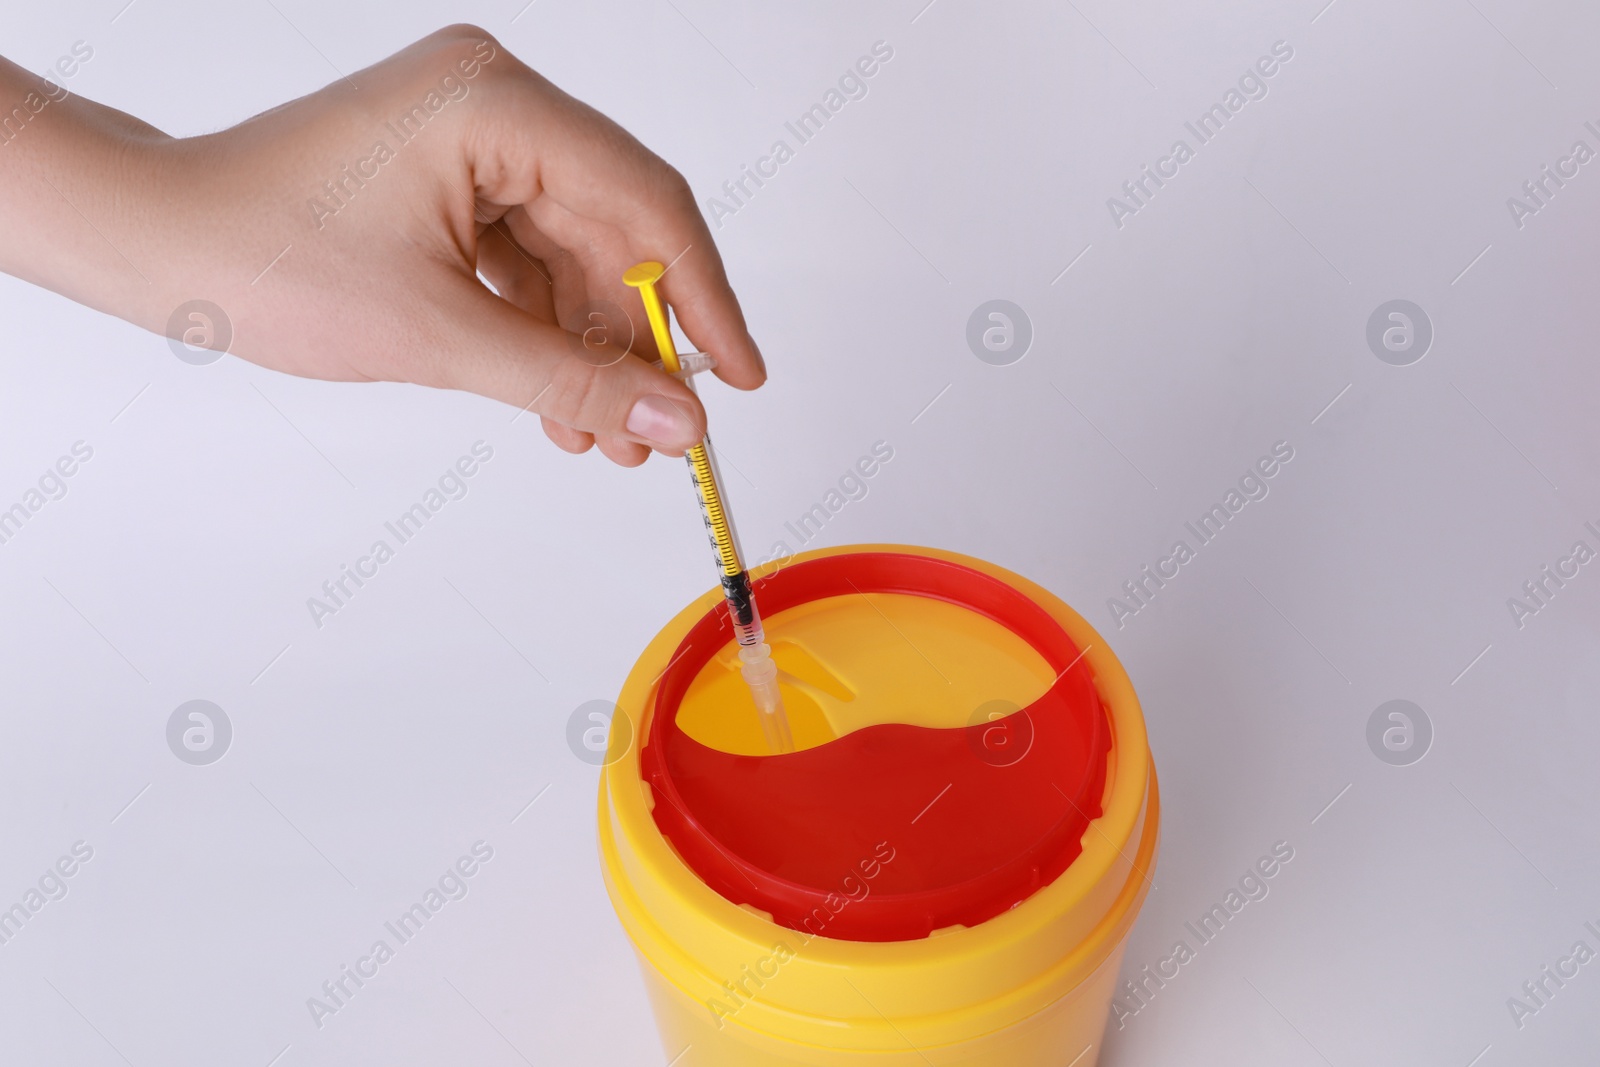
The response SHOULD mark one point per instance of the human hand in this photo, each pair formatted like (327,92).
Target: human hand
(343,234)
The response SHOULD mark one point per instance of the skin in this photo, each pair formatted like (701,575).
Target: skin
(509,177)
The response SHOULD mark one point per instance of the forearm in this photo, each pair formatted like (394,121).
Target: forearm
(80,198)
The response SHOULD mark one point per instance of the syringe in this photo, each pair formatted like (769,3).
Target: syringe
(755,657)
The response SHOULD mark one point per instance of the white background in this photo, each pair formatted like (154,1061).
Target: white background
(1225,316)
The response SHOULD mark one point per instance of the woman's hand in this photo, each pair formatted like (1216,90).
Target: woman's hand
(343,233)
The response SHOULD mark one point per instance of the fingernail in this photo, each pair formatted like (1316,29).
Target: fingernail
(761,361)
(658,420)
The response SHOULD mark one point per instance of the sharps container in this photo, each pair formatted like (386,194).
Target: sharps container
(946,868)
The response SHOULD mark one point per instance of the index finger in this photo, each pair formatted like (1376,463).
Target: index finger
(549,144)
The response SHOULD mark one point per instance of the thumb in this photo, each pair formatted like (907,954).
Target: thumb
(602,389)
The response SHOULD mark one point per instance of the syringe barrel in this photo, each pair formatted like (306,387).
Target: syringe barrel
(720,531)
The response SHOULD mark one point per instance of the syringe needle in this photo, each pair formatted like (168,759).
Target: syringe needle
(755,657)
(761,675)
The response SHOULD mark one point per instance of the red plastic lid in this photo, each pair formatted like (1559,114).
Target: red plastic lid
(829,840)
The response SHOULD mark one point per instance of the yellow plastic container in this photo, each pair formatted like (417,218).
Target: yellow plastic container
(1030,987)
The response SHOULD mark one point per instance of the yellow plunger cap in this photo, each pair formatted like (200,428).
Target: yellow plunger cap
(643,277)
